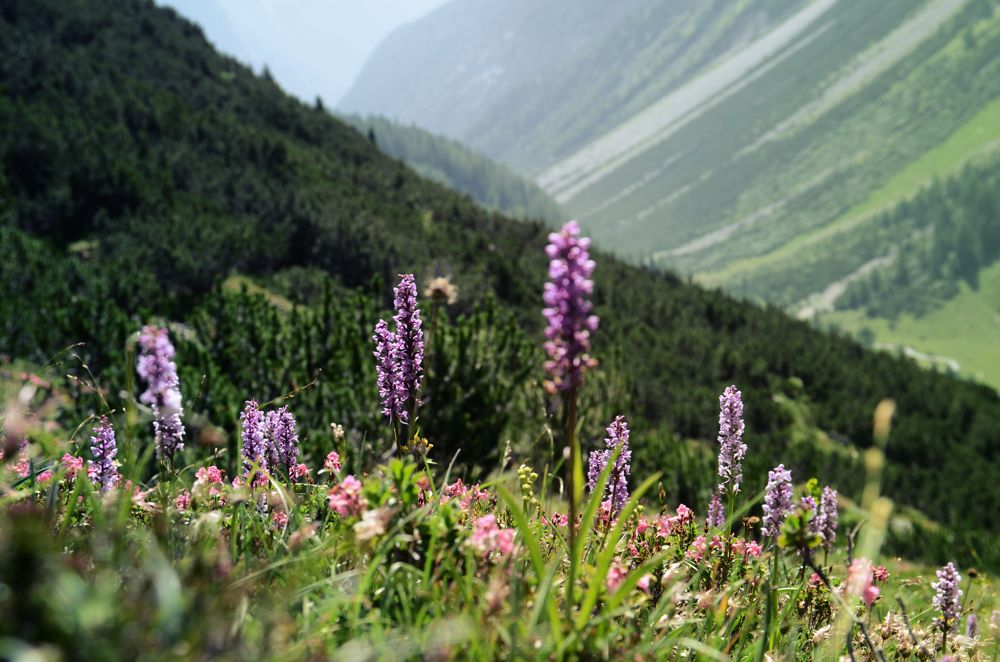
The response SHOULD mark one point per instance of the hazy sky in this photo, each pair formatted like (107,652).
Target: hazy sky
(312,47)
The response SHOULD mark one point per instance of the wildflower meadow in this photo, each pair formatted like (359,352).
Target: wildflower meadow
(129,536)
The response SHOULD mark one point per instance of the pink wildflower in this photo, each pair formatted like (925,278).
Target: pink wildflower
(880,573)
(684,515)
(641,525)
(859,581)
(815,581)
(183,501)
(753,549)
(279,518)
(300,473)
(332,462)
(616,575)
(45,476)
(644,582)
(345,498)
(487,537)
(209,475)
(72,464)
(697,549)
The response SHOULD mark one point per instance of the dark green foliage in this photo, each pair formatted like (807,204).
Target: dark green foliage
(453,164)
(944,236)
(157,168)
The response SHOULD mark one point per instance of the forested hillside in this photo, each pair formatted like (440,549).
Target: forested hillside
(144,176)
(451,163)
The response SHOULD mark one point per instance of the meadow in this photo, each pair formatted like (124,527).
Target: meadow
(119,542)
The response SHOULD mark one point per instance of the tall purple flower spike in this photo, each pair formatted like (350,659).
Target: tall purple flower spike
(948,595)
(568,308)
(617,488)
(157,368)
(731,446)
(409,349)
(282,439)
(104,448)
(777,500)
(255,446)
(716,512)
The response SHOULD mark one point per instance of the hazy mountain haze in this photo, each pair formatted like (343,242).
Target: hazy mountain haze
(312,47)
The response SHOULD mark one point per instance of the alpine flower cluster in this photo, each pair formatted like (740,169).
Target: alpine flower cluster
(157,368)
(617,487)
(399,354)
(569,321)
(269,442)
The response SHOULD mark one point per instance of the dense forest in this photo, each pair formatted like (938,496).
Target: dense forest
(946,235)
(451,163)
(180,186)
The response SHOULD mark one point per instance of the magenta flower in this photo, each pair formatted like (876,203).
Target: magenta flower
(72,464)
(568,308)
(157,368)
(731,446)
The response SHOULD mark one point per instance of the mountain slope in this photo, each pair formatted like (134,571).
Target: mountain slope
(141,170)
(746,127)
(456,166)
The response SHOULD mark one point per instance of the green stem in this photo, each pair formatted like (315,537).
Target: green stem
(574,492)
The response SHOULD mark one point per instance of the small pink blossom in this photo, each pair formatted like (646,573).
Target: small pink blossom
(880,573)
(73,465)
(345,498)
(697,549)
(644,583)
(815,581)
(487,537)
(279,518)
(45,476)
(300,472)
(332,462)
(859,581)
(753,549)
(616,575)
(183,501)
(210,475)
(684,515)
(716,543)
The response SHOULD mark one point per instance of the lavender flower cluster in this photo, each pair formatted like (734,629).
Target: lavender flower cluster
(270,441)
(777,500)
(103,448)
(731,446)
(157,368)
(825,521)
(399,354)
(568,307)
(948,595)
(617,487)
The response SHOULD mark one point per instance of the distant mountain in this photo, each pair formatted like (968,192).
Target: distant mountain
(754,145)
(451,163)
